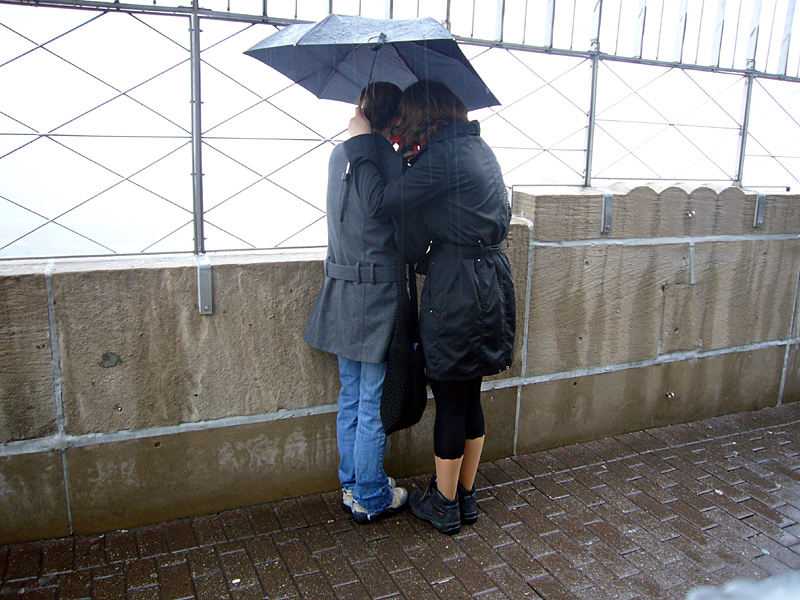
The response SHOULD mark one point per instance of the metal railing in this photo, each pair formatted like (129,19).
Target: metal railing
(747,41)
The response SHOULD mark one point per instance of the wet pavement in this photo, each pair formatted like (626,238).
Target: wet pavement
(647,515)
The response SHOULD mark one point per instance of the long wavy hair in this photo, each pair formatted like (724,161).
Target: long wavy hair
(379,101)
(426,107)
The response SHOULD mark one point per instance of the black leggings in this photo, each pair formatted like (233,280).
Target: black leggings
(459,416)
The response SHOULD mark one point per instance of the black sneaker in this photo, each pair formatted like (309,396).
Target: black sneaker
(432,506)
(467,505)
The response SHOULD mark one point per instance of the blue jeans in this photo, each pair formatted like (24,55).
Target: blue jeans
(359,431)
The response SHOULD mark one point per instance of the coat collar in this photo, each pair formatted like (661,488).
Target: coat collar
(449,132)
(454,130)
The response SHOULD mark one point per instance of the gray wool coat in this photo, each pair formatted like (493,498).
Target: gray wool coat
(354,313)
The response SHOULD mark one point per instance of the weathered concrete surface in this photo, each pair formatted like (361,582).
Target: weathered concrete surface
(149,480)
(33,502)
(137,354)
(647,212)
(684,313)
(751,290)
(568,411)
(27,397)
(791,386)
(595,305)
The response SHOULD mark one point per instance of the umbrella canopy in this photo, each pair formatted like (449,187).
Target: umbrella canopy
(337,57)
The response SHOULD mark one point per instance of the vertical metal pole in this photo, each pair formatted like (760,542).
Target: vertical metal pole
(638,43)
(587,177)
(549,23)
(204,286)
(680,33)
(755,28)
(197,166)
(787,37)
(719,28)
(501,13)
(748,98)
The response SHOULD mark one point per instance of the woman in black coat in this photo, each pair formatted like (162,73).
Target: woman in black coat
(467,310)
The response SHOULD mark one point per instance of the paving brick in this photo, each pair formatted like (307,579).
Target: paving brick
(550,588)
(375,578)
(211,587)
(298,559)
(354,590)
(238,570)
(261,549)
(494,475)
(512,469)
(150,593)
(57,556)
(528,539)
(432,568)
(208,530)
(470,575)
(175,582)
(141,573)
(521,562)
(561,569)
(414,585)
(180,535)
(289,514)
(511,584)
(121,546)
(251,593)
(236,524)
(276,581)
(264,520)
(90,551)
(315,510)
(314,587)
(104,588)
(336,568)
(151,540)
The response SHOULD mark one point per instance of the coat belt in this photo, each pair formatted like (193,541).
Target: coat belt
(477,251)
(362,273)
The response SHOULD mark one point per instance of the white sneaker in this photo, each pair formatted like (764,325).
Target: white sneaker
(399,499)
(347,496)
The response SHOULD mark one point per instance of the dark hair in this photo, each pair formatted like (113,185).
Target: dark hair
(426,107)
(379,101)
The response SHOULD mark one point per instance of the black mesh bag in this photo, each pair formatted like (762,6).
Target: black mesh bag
(404,388)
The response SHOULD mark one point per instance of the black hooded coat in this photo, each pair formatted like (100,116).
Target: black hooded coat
(454,190)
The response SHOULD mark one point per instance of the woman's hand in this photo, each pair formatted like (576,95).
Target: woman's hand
(359,124)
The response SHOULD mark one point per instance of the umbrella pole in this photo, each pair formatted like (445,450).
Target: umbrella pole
(378,45)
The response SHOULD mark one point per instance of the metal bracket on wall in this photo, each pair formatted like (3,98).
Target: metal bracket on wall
(605,223)
(204,290)
(761,201)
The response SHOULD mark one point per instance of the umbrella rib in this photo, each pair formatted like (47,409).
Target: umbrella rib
(336,70)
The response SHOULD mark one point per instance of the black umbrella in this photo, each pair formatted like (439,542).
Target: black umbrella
(336,58)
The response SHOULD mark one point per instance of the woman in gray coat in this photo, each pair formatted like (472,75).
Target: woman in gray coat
(353,316)
(467,310)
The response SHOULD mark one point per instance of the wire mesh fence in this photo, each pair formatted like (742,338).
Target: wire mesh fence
(96,130)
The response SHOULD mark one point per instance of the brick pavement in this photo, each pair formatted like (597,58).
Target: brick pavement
(647,515)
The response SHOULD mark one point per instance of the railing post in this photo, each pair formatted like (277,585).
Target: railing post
(748,99)
(587,177)
(204,290)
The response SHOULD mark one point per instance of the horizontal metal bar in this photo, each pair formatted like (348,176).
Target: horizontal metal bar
(183,11)
(626,59)
(236,17)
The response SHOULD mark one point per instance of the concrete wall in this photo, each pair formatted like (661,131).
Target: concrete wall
(121,405)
